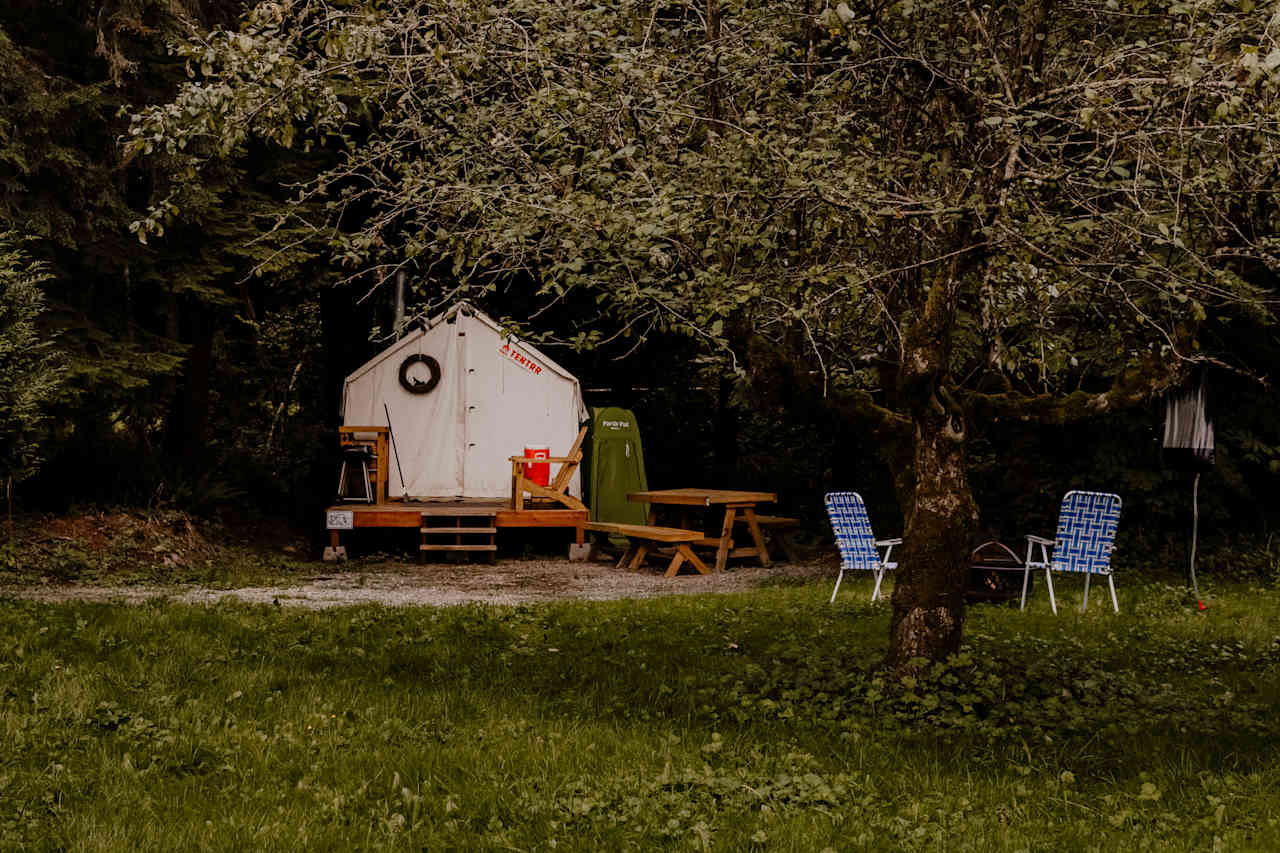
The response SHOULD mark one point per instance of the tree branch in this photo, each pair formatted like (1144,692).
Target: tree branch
(1132,388)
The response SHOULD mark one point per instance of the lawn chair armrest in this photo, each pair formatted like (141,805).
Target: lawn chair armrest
(1040,560)
(887,545)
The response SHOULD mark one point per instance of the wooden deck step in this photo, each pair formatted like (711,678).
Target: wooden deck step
(450,530)
(443,530)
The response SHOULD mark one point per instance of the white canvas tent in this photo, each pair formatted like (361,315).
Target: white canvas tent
(495,396)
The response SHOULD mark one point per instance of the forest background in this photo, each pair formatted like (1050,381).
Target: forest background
(177,327)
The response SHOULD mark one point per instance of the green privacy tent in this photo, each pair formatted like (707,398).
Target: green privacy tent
(614,465)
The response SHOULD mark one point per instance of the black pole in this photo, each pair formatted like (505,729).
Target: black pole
(395,451)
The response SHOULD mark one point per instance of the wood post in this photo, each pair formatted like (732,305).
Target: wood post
(756,535)
(726,537)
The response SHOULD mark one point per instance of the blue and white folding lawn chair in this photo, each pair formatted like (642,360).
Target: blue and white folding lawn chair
(1086,531)
(858,546)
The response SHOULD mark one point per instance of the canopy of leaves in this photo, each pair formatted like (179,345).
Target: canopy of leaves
(1078,184)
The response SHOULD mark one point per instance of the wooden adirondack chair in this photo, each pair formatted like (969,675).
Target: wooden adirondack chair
(558,489)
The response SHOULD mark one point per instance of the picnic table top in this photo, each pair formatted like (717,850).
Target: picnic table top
(701,497)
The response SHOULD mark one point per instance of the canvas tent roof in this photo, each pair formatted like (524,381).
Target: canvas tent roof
(496,395)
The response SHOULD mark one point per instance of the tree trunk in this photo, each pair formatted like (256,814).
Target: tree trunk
(928,595)
(713,73)
(188,419)
(198,391)
(724,450)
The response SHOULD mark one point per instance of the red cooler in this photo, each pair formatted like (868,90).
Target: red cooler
(538,472)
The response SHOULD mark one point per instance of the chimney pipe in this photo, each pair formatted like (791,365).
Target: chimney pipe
(398,327)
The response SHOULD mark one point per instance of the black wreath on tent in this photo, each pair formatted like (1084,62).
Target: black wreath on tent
(414,385)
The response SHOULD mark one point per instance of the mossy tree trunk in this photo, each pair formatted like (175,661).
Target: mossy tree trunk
(933,485)
(928,596)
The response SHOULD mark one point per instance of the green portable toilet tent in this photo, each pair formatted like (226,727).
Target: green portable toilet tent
(615,466)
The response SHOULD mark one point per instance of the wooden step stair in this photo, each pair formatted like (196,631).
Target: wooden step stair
(442,531)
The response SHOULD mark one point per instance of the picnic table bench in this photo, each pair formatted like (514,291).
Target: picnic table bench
(643,538)
(778,526)
(737,504)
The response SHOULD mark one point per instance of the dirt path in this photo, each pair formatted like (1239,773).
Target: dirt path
(441,585)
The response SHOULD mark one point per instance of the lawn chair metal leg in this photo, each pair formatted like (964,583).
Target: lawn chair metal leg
(1085,607)
(1048,579)
(1111,583)
(1026,573)
(839,578)
(875,593)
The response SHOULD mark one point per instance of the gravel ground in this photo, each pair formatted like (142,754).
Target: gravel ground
(445,584)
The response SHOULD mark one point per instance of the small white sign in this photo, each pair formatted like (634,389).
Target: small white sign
(339,519)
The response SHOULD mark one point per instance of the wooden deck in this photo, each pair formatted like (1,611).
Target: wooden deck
(463,516)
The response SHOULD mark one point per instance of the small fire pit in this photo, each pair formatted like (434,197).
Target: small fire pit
(995,575)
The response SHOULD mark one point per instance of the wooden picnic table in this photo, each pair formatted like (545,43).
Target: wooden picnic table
(733,502)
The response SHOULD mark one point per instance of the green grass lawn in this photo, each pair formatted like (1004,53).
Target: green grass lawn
(753,721)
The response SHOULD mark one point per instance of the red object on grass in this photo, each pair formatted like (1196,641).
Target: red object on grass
(1201,605)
